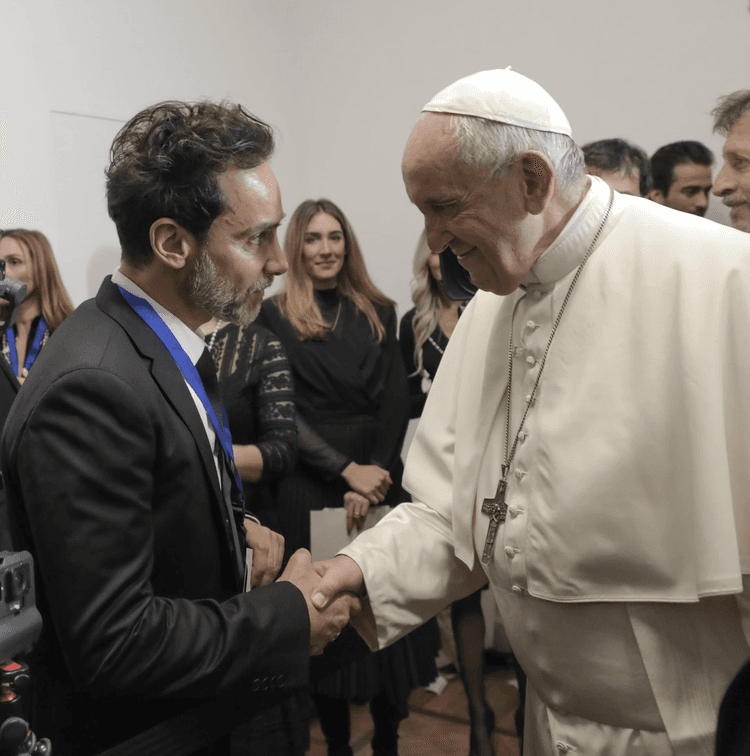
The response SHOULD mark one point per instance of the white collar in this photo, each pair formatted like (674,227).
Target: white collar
(188,339)
(567,250)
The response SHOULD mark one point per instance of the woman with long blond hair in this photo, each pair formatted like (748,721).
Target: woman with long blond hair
(29,259)
(423,335)
(426,328)
(339,332)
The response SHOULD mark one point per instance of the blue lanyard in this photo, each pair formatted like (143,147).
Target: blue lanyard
(36,345)
(189,372)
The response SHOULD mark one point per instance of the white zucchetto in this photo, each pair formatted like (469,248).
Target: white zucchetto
(505,96)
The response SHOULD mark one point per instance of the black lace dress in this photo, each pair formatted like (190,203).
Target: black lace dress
(352,396)
(257,392)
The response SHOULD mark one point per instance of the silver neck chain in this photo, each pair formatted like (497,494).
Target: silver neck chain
(509,455)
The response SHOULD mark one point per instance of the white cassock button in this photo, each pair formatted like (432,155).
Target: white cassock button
(519,474)
(522,436)
(531,325)
(530,361)
(510,551)
(517,590)
(529,399)
(513,509)
(562,747)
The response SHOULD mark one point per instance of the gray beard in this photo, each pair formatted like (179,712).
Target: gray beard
(206,289)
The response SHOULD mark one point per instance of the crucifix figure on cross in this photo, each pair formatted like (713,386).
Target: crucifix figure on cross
(497,510)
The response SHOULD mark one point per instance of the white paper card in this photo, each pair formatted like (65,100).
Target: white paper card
(328,529)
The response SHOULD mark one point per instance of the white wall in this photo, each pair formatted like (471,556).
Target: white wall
(343,81)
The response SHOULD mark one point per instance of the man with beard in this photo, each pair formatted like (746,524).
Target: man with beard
(118,464)
(732,120)
(681,172)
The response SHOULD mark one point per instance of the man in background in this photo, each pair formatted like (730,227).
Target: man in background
(681,175)
(732,184)
(119,469)
(621,164)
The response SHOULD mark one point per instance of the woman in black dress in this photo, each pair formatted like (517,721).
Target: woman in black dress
(256,388)
(423,335)
(339,331)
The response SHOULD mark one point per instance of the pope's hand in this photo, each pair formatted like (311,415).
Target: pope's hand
(327,621)
(339,576)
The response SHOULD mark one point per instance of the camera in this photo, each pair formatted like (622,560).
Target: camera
(20,621)
(457,282)
(20,626)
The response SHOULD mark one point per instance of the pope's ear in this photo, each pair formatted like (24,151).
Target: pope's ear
(539,180)
(171,243)
(657,195)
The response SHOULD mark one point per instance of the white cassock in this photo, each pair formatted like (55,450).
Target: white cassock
(619,570)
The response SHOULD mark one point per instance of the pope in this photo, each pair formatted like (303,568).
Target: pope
(585,445)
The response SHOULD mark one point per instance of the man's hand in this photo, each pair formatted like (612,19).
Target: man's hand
(370,481)
(342,575)
(326,623)
(356,507)
(268,552)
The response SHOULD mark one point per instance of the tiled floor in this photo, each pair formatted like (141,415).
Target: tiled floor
(438,725)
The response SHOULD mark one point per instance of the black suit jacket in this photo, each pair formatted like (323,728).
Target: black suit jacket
(111,485)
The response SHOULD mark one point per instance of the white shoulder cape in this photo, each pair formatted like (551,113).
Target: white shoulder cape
(644,418)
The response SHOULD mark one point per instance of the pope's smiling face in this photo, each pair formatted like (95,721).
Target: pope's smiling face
(481,217)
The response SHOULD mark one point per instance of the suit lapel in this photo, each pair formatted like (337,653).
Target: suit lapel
(172,384)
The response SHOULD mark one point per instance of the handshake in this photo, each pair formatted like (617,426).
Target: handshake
(330,589)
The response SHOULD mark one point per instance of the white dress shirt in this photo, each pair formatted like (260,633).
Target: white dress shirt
(191,342)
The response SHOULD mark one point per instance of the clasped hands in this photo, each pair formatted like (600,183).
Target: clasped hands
(330,589)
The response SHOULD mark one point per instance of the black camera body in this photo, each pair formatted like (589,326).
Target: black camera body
(20,620)
(456,279)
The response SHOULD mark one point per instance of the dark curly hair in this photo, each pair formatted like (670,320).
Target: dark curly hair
(164,163)
(619,155)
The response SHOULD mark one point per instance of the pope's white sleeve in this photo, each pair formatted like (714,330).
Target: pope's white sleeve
(410,569)
(408,560)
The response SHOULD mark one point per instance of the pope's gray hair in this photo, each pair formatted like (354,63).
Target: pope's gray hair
(496,146)
(729,110)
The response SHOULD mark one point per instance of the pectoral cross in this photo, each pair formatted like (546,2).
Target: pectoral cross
(497,509)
